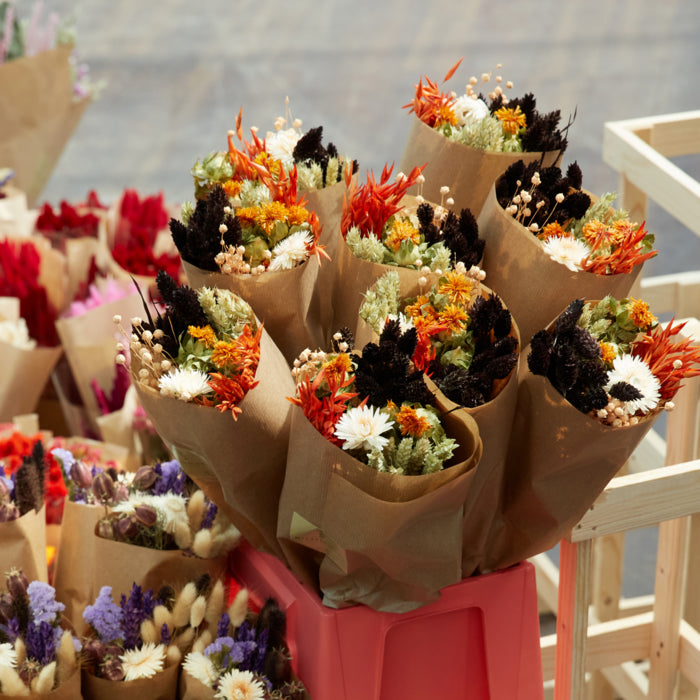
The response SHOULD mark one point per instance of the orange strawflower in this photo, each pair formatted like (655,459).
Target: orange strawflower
(596,233)
(457,288)
(337,369)
(454,318)
(552,230)
(415,309)
(225,354)
(402,230)
(640,314)
(204,333)
(411,423)
(232,188)
(608,352)
(512,120)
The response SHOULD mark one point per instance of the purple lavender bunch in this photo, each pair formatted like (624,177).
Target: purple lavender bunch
(172,479)
(135,609)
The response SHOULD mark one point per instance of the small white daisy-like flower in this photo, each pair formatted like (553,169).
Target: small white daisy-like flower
(201,668)
(633,370)
(240,685)
(280,145)
(291,251)
(144,662)
(362,427)
(566,250)
(184,384)
(468,110)
(8,655)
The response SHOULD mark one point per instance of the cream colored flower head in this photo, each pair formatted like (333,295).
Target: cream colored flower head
(291,251)
(184,384)
(362,427)
(633,370)
(200,667)
(567,250)
(280,145)
(239,685)
(144,662)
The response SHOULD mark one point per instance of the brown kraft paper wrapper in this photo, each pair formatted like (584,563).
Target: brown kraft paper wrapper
(192,689)
(282,300)
(75,559)
(37,116)
(386,540)
(468,172)
(238,464)
(90,341)
(559,461)
(120,565)
(70,690)
(25,373)
(23,545)
(532,285)
(328,205)
(163,686)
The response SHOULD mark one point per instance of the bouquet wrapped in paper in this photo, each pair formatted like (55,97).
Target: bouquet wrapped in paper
(597,379)
(377,476)
(214,385)
(383,229)
(245,656)
(39,658)
(255,235)
(540,226)
(466,144)
(45,92)
(468,345)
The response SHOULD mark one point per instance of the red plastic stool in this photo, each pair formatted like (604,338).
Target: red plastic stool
(481,640)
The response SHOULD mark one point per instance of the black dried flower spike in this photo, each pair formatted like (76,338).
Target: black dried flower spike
(272,619)
(624,392)
(568,318)
(461,236)
(200,241)
(384,372)
(427,227)
(29,487)
(541,351)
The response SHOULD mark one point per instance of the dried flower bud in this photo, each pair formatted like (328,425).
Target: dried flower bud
(559,198)
(144,478)
(94,652)
(136,321)
(146,515)
(81,474)
(121,493)
(105,530)
(16,583)
(8,512)
(103,488)
(4,491)
(117,318)
(112,670)
(126,528)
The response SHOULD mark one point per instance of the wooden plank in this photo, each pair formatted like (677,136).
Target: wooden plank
(608,644)
(547,580)
(572,620)
(633,199)
(689,653)
(628,680)
(678,293)
(642,500)
(665,183)
(668,590)
(678,136)
(636,606)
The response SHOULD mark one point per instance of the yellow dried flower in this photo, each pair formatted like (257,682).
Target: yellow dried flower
(411,423)
(512,120)
(204,333)
(640,314)
(457,288)
(608,352)
(402,230)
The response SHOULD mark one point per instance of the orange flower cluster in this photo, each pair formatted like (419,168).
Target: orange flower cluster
(370,206)
(239,359)
(431,106)
(512,120)
(411,423)
(670,361)
(624,256)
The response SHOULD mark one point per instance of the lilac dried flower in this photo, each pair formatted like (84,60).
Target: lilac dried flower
(8,512)
(105,616)
(43,604)
(165,636)
(172,478)
(41,642)
(209,516)
(223,625)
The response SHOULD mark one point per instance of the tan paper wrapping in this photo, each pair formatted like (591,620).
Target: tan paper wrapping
(282,300)
(70,690)
(37,116)
(89,341)
(163,686)
(16,220)
(192,689)
(386,540)
(76,560)
(559,461)
(120,565)
(514,261)
(468,172)
(328,205)
(24,376)
(24,545)
(238,464)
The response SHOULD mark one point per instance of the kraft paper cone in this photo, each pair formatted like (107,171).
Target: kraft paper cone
(238,464)
(16,220)
(37,116)
(163,686)
(76,560)
(468,172)
(559,461)
(74,413)
(192,689)
(89,341)
(388,541)
(282,300)
(120,565)
(70,690)
(533,286)
(25,373)
(23,545)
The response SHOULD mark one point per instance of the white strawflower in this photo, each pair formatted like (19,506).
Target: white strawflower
(567,250)
(280,145)
(144,662)
(8,655)
(240,685)
(16,333)
(468,110)
(201,668)
(633,370)
(291,251)
(184,384)
(362,427)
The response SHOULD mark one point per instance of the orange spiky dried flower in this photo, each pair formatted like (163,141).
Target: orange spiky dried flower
(622,258)
(432,106)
